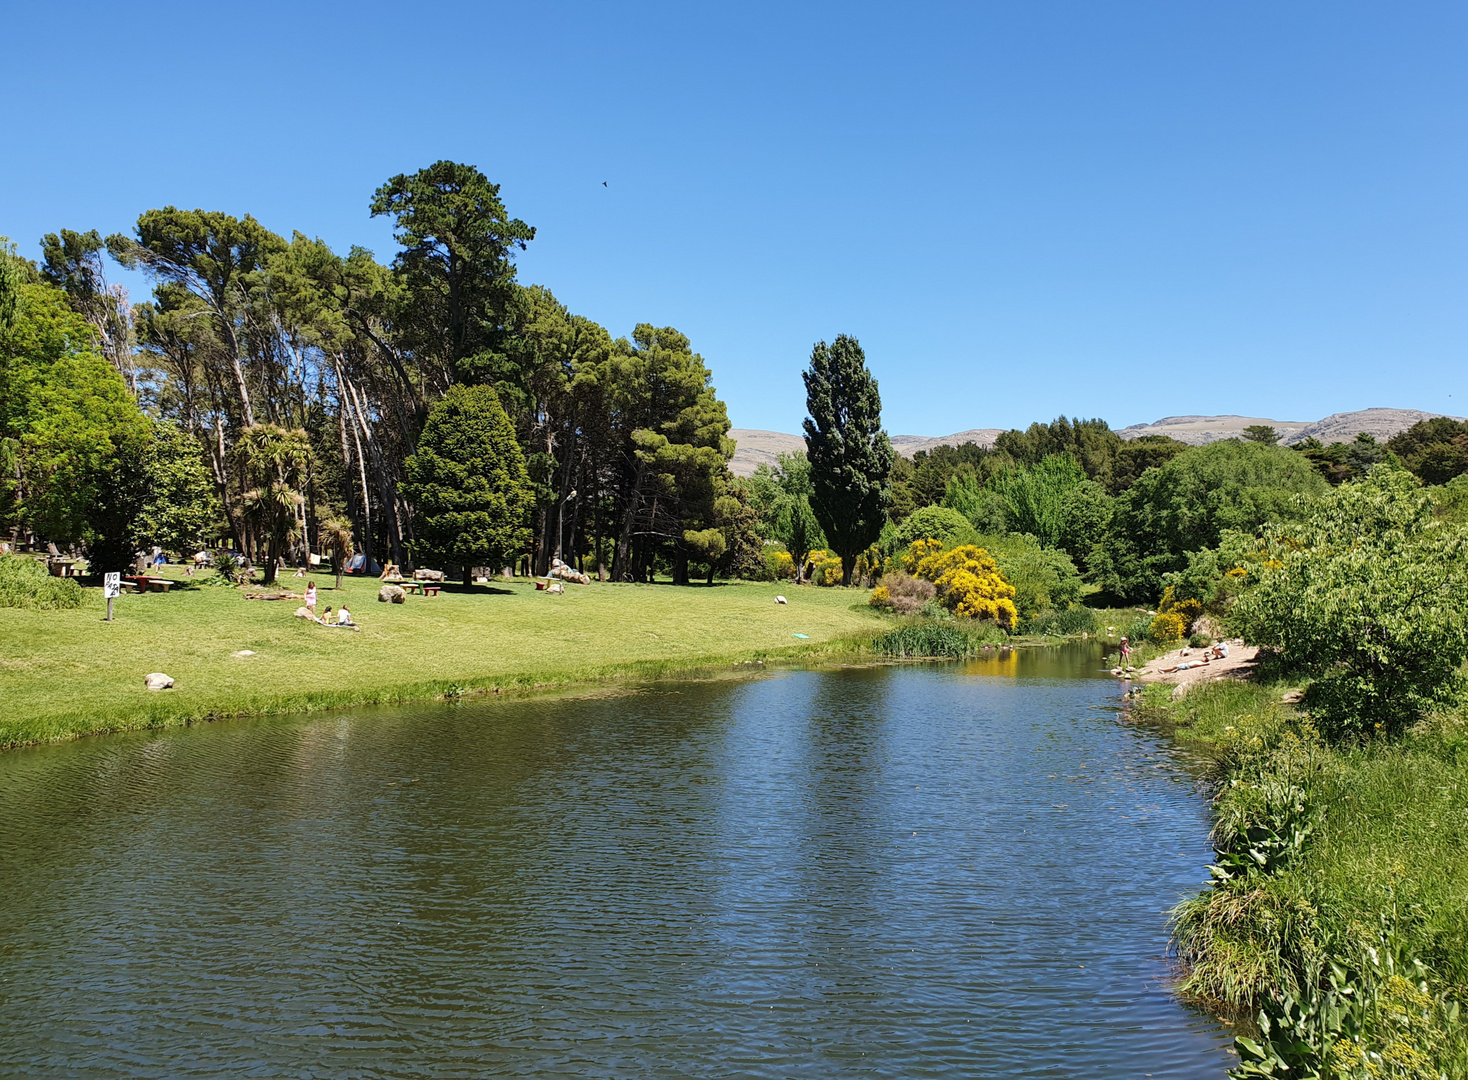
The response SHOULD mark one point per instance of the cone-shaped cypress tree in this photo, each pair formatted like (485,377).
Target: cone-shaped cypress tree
(850,456)
(469,484)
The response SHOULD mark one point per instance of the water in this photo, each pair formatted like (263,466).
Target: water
(889,872)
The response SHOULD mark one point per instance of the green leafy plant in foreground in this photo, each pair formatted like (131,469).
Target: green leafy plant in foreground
(24,583)
(1368,594)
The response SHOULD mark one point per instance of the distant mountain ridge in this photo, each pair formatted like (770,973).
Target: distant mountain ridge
(757,448)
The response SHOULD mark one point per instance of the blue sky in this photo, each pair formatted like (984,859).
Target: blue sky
(1022,210)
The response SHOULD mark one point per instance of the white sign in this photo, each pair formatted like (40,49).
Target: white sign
(111,585)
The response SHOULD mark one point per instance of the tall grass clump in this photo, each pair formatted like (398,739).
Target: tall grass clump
(24,583)
(937,640)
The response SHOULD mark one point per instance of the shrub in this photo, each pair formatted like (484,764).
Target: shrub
(929,639)
(940,523)
(1065,623)
(969,584)
(1368,594)
(780,565)
(903,593)
(1042,577)
(1167,627)
(24,583)
(1200,641)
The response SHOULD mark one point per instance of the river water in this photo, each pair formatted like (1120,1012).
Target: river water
(957,870)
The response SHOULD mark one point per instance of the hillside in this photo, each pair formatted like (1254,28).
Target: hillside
(760,447)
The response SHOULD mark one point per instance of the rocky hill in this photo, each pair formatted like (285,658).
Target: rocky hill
(1339,427)
(757,447)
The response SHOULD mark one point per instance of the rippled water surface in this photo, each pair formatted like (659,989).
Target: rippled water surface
(894,872)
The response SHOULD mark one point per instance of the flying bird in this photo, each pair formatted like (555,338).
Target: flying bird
(603,183)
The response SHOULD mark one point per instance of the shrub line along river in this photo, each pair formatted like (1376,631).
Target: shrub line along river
(951,870)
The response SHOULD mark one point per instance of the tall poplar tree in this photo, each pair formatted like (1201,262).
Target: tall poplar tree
(849,453)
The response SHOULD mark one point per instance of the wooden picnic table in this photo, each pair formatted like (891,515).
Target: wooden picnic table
(145,583)
(427,588)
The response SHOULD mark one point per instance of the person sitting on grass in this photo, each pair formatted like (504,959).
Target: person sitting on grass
(344,617)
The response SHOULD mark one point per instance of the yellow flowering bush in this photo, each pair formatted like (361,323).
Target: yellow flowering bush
(881,597)
(781,564)
(1167,627)
(918,551)
(969,583)
(1174,618)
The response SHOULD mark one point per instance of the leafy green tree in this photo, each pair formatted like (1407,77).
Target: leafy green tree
(1435,450)
(1035,496)
(669,442)
(72,261)
(1085,517)
(456,267)
(1186,504)
(849,453)
(1368,593)
(469,484)
(75,438)
(782,497)
(1261,433)
(1135,456)
(179,507)
(217,258)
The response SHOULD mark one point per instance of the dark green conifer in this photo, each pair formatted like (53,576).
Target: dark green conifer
(469,484)
(849,453)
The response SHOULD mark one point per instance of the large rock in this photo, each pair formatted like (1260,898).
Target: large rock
(391,594)
(158,681)
(427,575)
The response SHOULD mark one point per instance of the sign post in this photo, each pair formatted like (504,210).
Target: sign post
(111,588)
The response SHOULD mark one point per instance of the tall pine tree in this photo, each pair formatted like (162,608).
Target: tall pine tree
(849,453)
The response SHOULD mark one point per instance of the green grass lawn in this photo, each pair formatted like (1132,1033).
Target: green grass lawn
(67,673)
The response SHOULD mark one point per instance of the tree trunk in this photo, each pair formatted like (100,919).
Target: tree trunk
(468,576)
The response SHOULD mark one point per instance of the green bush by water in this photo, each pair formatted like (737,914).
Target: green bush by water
(25,583)
(1066,623)
(925,640)
(1338,917)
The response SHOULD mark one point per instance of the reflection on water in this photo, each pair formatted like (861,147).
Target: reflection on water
(885,872)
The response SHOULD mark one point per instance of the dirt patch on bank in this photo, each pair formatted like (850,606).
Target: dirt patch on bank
(1238,664)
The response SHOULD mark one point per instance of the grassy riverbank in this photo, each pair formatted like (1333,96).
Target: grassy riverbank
(69,673)
(1347,866)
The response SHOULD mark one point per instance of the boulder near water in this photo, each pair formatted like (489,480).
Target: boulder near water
(158,681)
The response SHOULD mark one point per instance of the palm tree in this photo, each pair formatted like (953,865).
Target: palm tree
(335,535)
(275,459)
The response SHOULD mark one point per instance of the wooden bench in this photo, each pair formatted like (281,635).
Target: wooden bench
(427,588)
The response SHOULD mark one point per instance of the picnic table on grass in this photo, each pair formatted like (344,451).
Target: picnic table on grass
(145,583)
(427,588)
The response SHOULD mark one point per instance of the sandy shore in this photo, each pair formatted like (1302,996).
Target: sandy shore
(1237,665)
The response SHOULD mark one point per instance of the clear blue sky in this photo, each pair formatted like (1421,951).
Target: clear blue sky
(1115,210)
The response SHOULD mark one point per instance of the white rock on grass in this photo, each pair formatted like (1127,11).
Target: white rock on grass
(781,600)
(391,594)
(158,681)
